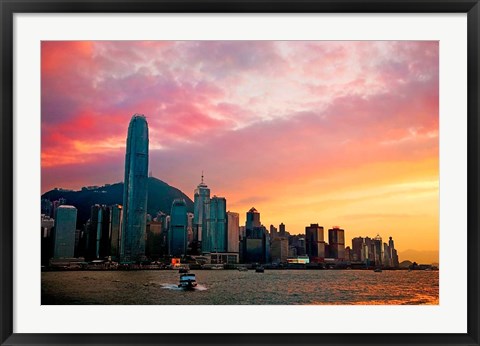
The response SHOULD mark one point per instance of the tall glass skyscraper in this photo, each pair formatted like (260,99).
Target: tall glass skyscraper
(178,228)
(65,225)
(201,200)
(216,235)
(135,191)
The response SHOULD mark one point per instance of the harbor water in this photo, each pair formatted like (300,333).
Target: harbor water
(232,287)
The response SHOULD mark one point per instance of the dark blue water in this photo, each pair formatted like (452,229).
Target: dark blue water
(231,287)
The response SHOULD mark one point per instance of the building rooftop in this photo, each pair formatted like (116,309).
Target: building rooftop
(64,206)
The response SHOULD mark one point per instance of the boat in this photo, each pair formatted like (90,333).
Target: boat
(242,269)
(378,270)
(259,269)
(187,281)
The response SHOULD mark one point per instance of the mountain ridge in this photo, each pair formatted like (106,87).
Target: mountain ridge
(159,198)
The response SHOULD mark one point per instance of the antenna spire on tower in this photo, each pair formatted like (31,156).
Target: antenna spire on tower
(202,177)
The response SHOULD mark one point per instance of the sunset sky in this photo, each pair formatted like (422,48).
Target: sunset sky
(335,133)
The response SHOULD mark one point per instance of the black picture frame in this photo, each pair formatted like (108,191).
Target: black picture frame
(9,8)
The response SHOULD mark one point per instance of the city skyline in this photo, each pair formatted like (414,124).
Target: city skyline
(348,136)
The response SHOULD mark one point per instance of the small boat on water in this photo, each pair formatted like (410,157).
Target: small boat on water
(242,269)
(187,281)
(378,270)
(259,269)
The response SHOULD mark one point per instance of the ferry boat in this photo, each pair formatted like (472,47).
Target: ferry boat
(187,281)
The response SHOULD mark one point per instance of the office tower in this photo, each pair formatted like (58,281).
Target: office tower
(132,247)
(116,216)
(255,244)
(378,250)
(281,230)
(348,253)
(65,225)
(201,200)
(99,232)
(233,231)
(273,232)
(154,248)
(47,232)
(315,243)
(357,249)
(190,217)
(336,242)
(253,219)
(216,235)
(393,253)
(279,250)
(178,228)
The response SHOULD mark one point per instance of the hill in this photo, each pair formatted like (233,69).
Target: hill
(160,198)
(421,257)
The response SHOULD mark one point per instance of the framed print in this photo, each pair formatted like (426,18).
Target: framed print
(239,172)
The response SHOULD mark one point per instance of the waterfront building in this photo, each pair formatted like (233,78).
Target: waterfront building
(315,243)
(216,235)
(357,252)
(378,250)
(201,200)
(279,250)
(253,219)
(132,247)
(233,235)
(98,243)
(116,218)
(348,252)
(65,226)
(336,242)
(47,230)
(178,228)
(256,243)
(154,246)
(189,228)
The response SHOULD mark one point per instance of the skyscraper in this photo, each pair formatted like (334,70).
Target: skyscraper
(233,231)
(253,219)
(178,228)
(201,199)
(135,191)
(336,242)
(315,243)
(98,245)
(116,213)
(65,225)
(216,235)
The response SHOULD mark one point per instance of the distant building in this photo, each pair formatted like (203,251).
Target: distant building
(233,231)
(255,245)
(378,250)
(216,235)
(47,232)
(116,217)
(201,200)
(65,226)
(336,242)
(178,228)
(253,219)
(279,250)
(154,246)
(46,207)
(315,243)
(135,191)
(273,232)
(281,230)
(98,237)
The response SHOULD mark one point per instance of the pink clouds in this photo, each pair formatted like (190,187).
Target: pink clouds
(241,108)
